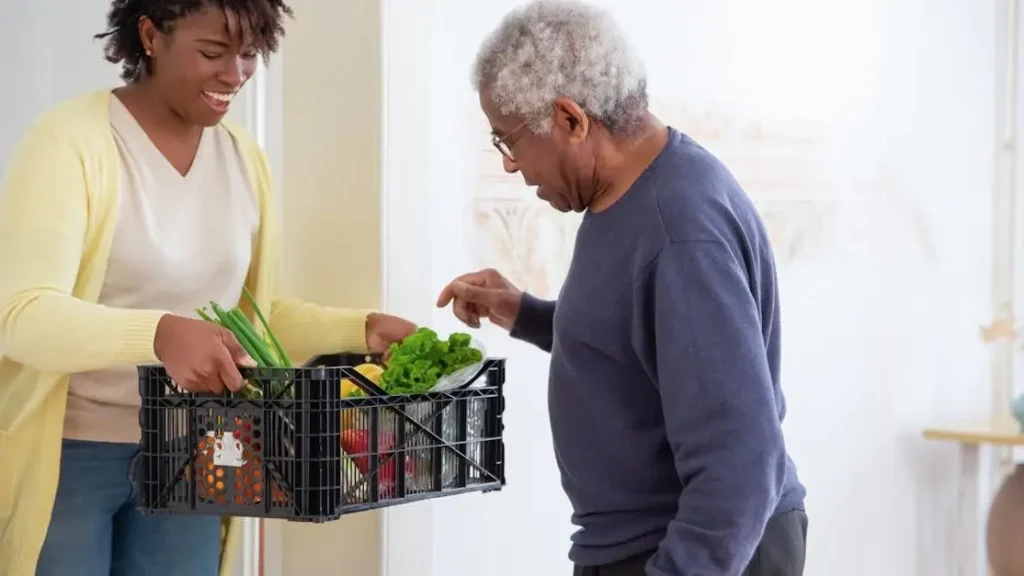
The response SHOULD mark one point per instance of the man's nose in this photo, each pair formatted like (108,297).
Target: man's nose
(509,165)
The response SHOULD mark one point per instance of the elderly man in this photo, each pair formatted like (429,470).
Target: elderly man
(664,392)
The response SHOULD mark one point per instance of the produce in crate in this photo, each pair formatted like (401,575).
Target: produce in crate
(356,417)
(356,443)
(372,372)
(355,435)
(416,365)
(266,351)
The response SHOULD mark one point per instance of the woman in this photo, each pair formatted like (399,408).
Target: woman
(122,212)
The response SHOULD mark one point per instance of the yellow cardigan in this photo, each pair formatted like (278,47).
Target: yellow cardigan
(58,208)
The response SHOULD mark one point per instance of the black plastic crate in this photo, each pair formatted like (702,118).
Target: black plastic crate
(281,456)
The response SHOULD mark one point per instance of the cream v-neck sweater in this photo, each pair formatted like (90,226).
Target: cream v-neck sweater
(180,242)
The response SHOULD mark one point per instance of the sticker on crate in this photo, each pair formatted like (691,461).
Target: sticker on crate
(226,451)
(229,468)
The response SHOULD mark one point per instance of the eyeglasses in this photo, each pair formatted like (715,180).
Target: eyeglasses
(505,143)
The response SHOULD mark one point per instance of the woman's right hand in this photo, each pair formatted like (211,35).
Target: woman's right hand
(200,356)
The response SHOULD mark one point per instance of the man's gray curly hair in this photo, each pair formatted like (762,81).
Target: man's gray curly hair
(562,48)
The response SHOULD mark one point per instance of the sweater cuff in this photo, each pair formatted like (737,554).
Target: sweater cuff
(533,323)
(138,335)
(350,327)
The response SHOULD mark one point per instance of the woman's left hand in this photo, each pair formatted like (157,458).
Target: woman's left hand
(382,330)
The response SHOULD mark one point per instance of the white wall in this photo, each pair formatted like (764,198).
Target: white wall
(863,129)
(50,56)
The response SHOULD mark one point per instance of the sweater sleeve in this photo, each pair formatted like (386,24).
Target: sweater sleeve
(535,322)
(719,408)
(44,214)
(307,330)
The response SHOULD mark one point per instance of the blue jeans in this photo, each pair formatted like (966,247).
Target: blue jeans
(96,530)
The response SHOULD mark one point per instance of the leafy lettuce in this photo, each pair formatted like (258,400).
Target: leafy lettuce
(417,363)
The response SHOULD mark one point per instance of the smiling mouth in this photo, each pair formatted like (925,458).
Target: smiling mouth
(220,99)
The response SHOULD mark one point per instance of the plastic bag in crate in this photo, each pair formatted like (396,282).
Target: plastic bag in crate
(463,375)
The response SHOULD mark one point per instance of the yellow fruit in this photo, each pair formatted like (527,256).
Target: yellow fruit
(372,373)
(355,418)
(349,388)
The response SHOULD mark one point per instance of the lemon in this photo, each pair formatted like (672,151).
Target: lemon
(355,418)
(372,373)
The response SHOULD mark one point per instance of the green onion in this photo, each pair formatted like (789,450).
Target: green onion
(266,351)
(247,331)
(239,326)
(285,361)
(202,314)
(229,322)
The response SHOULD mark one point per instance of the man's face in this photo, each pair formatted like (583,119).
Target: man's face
(556,163)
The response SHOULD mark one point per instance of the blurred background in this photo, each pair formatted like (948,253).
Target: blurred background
(878,139)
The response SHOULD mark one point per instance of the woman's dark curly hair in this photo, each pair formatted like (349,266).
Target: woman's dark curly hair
(124,46)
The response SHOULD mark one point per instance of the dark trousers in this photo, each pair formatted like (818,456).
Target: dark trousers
(781,552)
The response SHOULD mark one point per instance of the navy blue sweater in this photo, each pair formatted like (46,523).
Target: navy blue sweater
(664,393)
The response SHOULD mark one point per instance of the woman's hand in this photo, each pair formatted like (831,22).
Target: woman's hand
(382,330)
(200,356)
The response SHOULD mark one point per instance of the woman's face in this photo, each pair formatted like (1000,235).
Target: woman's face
(201,63)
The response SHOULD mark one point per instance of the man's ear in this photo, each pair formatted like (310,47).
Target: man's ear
(570,119)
